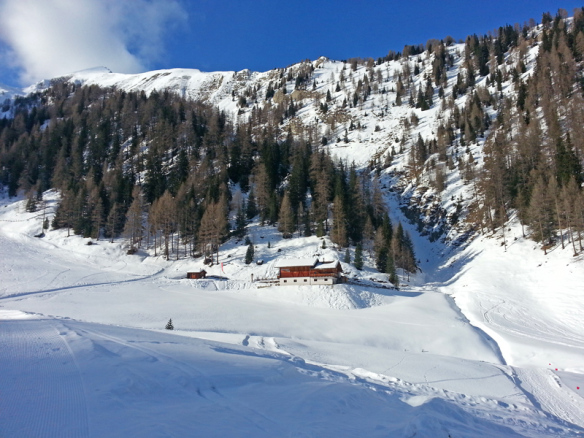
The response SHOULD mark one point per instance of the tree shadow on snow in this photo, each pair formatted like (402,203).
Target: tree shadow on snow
(457,265)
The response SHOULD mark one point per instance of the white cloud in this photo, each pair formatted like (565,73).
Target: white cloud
(49,38)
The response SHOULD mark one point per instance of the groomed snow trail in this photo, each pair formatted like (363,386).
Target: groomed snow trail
(554,398)
(40,376)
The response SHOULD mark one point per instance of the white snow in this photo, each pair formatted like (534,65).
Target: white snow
(294,262)
(487,341)
(467,348)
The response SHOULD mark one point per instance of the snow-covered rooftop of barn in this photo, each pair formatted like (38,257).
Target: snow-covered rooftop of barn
(329,264)
(296,263)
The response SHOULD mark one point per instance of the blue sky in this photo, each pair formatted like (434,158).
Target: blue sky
(46,38)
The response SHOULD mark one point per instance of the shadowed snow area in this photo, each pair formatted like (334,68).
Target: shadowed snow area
(458,351)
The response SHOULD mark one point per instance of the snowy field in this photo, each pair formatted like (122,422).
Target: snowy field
(468,348)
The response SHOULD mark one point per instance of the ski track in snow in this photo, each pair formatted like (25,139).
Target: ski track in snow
(536,385)
(40,375)
(206,388)
(78,285)
(548,393)
(43,375)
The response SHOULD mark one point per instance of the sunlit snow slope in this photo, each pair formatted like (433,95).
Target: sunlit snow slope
(84,351)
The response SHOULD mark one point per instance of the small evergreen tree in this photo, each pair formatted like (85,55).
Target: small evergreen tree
(347,258)
(381,261)
(320,229)
(251,210)
(359,257)
(169,325)
(390,269)
(240,222)
(249,254)
(31,203)
(307,230)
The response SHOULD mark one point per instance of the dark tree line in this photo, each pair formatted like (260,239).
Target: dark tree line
(161,170)
(534,145)
(534,155)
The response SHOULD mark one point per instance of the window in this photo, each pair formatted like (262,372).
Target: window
(295,280)
(305,280)
(285,281)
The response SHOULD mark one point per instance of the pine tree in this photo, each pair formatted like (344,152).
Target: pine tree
(249,254)
(262,190)
(298,180)
(390,269)
(377,202)
(355,207)
(368,234)
(31,203)
(251,210)
(212,228)
(573,203)
(409,258)
(347,258)
(339,231)
(134,229)
(567,163)
(112,223)
(381,260)
(240,222)
(286,220)
(169,325)
(540,213)
(358,262)
(164,211)
(97,218)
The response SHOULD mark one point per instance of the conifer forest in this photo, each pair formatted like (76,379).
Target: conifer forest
(182,175)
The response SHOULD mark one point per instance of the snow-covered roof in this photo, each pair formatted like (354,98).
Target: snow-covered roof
(327,265)
(296,263)
(310,262)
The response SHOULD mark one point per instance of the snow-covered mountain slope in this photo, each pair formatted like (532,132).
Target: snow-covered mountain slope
(7,95)
(371,113)
(83,346)
(363,112)
(191,83)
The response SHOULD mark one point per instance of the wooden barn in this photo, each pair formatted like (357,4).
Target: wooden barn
(197,275)
(309,272)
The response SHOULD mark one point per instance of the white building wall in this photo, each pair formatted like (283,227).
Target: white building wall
(295,281)
(323,280)
(305,281)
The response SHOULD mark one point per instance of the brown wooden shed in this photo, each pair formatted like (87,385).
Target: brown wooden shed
(197,275)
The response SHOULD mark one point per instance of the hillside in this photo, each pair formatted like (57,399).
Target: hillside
(452,170)
(342,360)
(431,118)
